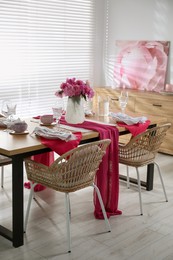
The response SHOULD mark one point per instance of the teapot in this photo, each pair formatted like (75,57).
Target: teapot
(19,127)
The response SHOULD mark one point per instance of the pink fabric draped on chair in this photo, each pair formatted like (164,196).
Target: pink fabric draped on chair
(135,129)
(56,145)
(107,178)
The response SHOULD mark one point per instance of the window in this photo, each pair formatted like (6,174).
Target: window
(42,42)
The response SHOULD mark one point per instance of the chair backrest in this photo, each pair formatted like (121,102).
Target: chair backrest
(73,170)
(145,145)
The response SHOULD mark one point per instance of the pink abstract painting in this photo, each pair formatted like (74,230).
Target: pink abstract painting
(141,64)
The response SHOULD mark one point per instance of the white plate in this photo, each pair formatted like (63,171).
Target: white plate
(52,124)
(23,133)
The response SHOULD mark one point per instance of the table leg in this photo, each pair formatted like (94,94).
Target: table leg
(150,176)
(17,201)
(148,184)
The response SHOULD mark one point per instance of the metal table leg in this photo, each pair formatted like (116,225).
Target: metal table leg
(17,201)
(150,176)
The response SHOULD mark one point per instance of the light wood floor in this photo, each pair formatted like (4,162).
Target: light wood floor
(133,237)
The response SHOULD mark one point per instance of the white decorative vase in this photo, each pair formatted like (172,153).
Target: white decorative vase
(75,110)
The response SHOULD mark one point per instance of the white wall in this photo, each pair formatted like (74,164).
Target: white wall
(100,41)
(135,20)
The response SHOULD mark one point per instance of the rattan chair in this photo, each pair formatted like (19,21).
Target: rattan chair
(3,161)
(141,150)
(75,170)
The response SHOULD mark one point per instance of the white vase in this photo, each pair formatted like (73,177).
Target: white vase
(75,110)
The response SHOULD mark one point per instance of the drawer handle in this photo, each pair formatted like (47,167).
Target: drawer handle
(114,99)
(156,105)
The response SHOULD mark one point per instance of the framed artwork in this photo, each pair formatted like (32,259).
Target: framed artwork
(141,64)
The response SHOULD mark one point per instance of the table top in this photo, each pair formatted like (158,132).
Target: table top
(11,145)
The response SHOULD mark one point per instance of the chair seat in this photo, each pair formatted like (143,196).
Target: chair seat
(4,160)
(136,163)
(141,150)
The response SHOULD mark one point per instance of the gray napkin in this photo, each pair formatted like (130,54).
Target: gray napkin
(53,133)
(129,120)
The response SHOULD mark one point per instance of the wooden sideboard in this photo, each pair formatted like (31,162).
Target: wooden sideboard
(142,102)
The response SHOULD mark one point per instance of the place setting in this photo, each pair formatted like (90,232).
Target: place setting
(10,121)
(47,121)
(135,125)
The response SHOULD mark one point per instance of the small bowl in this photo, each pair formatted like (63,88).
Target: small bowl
(19,127)
(46,119)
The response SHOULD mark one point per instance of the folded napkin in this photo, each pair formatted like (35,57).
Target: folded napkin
(129,120)
(36,117)
(53,133)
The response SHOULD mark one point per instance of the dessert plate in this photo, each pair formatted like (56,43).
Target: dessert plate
(22,133)
(52,124)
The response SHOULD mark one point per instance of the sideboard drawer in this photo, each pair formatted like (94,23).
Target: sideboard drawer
(154,106)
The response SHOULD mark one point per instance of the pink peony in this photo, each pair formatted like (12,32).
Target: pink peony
(73,87)
(142,64)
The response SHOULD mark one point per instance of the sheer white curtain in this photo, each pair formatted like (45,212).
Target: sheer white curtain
(42,42)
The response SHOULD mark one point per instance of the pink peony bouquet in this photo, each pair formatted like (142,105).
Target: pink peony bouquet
(73,88)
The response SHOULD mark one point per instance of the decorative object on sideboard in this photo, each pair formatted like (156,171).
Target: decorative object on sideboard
(169,87)
(141,65)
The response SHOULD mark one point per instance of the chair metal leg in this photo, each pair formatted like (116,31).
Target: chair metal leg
(67,204)
(102,207)
(2,176)
(128,181)
(29,205)
(161,179)
(139,190)
(69,207)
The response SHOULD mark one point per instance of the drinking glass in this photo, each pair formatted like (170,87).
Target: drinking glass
(8,110)
(58,110)
(123,99)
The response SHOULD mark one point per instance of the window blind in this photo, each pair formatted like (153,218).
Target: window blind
(43,42)
(109,55)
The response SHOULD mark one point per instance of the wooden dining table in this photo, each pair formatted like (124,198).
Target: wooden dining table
(20,146)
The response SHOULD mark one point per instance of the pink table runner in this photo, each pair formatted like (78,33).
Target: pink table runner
(107,178)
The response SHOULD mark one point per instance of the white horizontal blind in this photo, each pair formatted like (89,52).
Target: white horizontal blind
(109,55)
(42,42)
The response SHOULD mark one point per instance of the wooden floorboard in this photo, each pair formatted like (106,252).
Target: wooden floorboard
(133,237)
